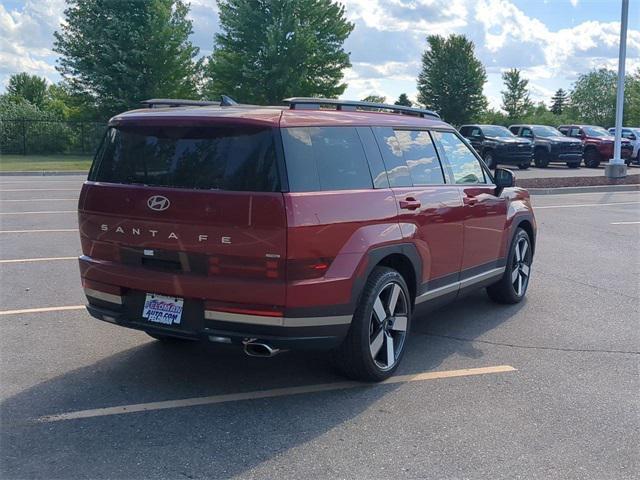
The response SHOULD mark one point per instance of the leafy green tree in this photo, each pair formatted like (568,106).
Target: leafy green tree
(559,101)
(491,116)
(632,99)
(32,88)
(374,99)
(594,97)
(403,100)
(272,49)
(515,97)
(451,79)
(121,52)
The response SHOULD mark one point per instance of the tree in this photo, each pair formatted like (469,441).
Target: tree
(272,49)
(515,98)
(374,99)
(403,100)
(558,101)
(119,53)
(31,88)
(594,97)
(632,99)
(451,79)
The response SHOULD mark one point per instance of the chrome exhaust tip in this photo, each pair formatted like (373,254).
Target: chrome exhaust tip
(257,349)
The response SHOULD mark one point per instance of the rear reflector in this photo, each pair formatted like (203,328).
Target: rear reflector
(307,268)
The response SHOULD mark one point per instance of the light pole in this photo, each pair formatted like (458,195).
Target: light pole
(616,168)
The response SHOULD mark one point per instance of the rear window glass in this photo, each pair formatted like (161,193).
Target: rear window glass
(325,158)
(226,158)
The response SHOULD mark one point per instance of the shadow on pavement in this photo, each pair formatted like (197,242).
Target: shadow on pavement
(216,441)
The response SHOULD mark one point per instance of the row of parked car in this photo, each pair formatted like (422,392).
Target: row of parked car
(569,144)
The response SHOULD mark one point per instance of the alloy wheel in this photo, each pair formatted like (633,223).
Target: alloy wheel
(521,267)
(388,325)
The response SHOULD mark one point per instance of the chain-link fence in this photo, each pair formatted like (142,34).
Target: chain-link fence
(46,137)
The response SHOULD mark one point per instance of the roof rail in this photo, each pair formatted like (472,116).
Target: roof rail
(225,101)
(310,103)
(174,102)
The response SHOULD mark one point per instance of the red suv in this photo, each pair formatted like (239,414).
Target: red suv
(323,224)
(598,144)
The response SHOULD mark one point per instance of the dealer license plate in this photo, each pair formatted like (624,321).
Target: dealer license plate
(162,309)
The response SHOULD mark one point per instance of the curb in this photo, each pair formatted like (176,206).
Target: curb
(587,189)
(43,173)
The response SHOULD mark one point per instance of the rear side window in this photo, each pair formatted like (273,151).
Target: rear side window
(465,167)
(226,158)
(420,156)
(514,130)
(325,158)
(397,169)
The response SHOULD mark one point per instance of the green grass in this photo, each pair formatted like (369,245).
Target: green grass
(36,163)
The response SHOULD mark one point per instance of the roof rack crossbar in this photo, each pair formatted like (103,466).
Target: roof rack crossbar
(175,102)
(310,103)
(225,101)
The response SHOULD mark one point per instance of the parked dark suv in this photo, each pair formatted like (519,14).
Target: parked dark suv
(317,225)
(597,142)
(497,144)
(550,145)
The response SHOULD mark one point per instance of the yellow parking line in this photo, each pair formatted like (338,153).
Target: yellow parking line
(26,260)
(276,392)
(41,310)
(40,212)
(41,231)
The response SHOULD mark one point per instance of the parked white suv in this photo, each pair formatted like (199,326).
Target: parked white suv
(633,135)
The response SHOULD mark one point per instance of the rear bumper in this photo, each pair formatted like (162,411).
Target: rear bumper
(223,327)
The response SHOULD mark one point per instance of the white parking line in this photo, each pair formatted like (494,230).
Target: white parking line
(41,190)
(625,223)
(39,212)
(41,200)
(276,392)
(41,231)
(584,205)
(41,310)
(27,260)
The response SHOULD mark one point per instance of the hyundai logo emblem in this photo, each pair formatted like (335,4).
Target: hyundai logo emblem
(158,203)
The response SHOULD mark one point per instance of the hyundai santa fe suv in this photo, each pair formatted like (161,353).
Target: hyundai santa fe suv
(314,225)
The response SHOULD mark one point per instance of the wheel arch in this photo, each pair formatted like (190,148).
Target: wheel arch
(527,226)
(403,258)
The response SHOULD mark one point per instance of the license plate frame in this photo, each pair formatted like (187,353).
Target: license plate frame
(163,310)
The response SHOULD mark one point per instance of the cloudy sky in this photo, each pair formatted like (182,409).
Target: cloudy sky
(552,41)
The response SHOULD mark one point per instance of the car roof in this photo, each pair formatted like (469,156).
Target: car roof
(271,116)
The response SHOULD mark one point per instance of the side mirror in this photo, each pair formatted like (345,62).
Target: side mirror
(504,178)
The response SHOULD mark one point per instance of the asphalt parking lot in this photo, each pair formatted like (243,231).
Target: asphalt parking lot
(547,388)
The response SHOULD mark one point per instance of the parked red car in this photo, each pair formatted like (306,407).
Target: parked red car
(316,225)
(598,144)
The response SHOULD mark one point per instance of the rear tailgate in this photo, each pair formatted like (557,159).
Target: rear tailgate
(221,246)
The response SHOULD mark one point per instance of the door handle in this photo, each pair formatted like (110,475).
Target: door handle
(470,200)
(409,203)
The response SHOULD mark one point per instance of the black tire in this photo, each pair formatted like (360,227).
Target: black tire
(524,165)
(573,164)
(591,158)
(508,289)
(355,357)
(168,339)
(541,158)
(489,159)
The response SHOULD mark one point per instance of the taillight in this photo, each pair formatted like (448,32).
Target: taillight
(307,268)
(233,266)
